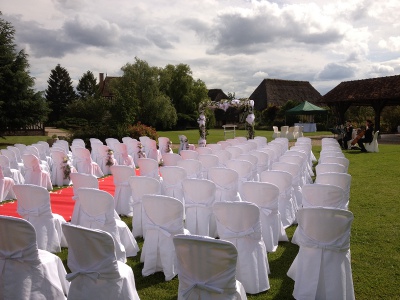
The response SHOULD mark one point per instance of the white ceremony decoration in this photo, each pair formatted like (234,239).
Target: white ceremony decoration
(247,116)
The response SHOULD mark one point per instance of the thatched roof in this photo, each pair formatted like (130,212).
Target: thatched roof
(216,94)
(366,91)
(278,92)
(104,85)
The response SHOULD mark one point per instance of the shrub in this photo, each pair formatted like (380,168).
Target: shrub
(139,129)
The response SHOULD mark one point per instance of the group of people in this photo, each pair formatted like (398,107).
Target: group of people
(364,135)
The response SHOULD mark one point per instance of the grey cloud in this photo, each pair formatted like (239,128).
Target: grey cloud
(238,34)
(99,34)
(161,39)
(335,71)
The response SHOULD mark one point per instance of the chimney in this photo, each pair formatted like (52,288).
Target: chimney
(101,78)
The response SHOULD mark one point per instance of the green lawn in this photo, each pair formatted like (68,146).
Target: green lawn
(375,245)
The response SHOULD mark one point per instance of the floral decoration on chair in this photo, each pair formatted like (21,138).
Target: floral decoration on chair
(110,158)
(141,154)
(66,167)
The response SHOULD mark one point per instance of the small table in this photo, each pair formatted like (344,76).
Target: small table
(307,127)
(229,128)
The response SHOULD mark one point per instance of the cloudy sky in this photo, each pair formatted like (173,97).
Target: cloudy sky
(229,44)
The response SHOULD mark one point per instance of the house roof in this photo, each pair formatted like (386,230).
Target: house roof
(104,86)
(366,91)
(278,92)
(216,94)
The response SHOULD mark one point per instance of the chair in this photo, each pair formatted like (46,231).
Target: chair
(85,164)
(261,141)
(324,195)
(227,184)
(244,169)
(214,147)
(276,133)
(123,193)
(189,154)
(199,197)
(110,142)
(262,160)
(235,151)
(164,219)
(373,146)
(6,187)
(121,155)
(34,206)
(338,160)
(204,150)
(342,180)
(14,164)
(96,273)
(239,223)
(62,168)
(297,183)
(284,131)
(287,206)
(224,144)
(171,159)
(290,133)
(97,212)
(149,167)
(223,156)
(32,149)
(208,161)
(34,174)
(207,269)
(329,167)
(105,158)
(172,181)
(266,197)
(151,150)
(141,185)
(254,162)
(322,267)
(192,167)
(164,145)
(81,180)
(94,145)
(14,174)
(26,271)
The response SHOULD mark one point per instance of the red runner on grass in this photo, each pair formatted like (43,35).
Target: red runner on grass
(61,200)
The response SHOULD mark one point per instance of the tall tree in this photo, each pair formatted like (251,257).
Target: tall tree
(138,97)
(87,86)
(20,105)
(59,93)
(185,92)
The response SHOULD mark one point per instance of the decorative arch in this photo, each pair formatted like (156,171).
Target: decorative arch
(247,117)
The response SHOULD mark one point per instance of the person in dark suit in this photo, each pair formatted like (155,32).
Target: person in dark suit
(347,136)
(368,135)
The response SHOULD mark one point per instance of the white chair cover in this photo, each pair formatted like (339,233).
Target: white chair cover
(60,162)
(164,219)
(227,184)
(243,168)
(207,161)
(171,159)
(322,268)
(214,147)
(81,180)
(141,185)
(105,158)
(276,133)
(204,150)
(329,167)
(94,153)
(239,223)
(152,152)
(6,187)
(234,151)
(121,155)
(297,182)
(97,212)
(199,197)
(207,269)
(223,157)
(342,180)
(272,155)
(34,174)
(254,162)
(110,142)
(266,197)
(338,160)
(14,164)
(172,181)
(164,145)
(85,164)
(123,192)
(224,144)
(149,167)
(34,206)
(373,146)
(189,154)
(262,161)
(324,195)
(95,272)
(192,167)
(261,141)
(32,149)
(287,206)
(14,174)
(27,272)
